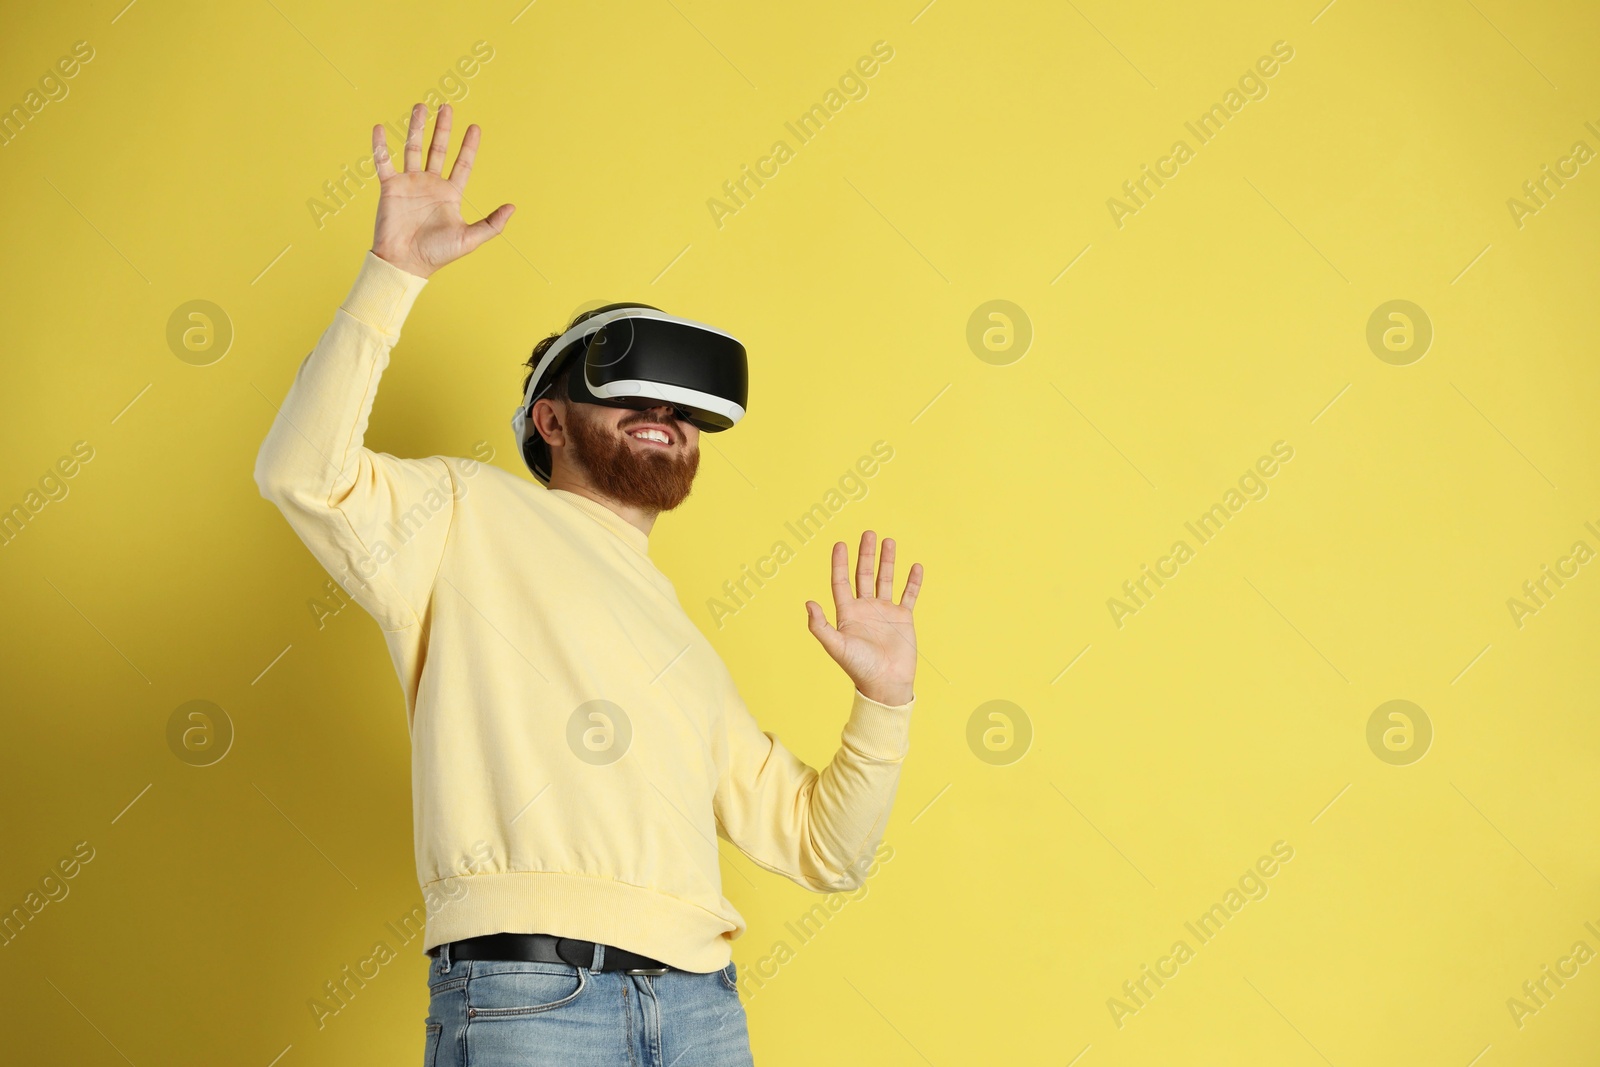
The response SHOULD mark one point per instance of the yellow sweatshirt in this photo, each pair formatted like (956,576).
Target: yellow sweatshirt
(577,745)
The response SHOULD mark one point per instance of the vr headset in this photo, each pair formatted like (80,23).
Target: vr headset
(638,356)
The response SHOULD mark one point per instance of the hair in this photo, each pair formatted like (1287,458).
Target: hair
(558,384)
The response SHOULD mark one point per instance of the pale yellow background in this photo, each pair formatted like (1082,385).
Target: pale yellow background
(1225,316)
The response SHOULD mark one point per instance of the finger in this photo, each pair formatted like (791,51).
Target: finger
(908,598)
(841,577)
(419,119)
(463,164)
(489,226)
(440,141)
(820,628)
(380,154)
(886,570)
(869,542)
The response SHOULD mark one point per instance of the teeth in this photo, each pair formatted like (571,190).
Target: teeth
(651,435)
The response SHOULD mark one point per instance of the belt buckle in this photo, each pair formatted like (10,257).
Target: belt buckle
(647,970)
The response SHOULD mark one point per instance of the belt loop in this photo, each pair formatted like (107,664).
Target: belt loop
(444,958)
(599,956)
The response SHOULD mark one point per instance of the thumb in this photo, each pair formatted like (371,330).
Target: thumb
(822,630)
(489,226)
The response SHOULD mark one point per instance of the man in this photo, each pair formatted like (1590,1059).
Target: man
(577,744)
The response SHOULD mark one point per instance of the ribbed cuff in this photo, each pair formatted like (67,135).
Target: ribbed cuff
(382,295)
(881,731)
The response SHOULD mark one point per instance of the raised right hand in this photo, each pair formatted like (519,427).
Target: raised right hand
(419,227)
(876,639)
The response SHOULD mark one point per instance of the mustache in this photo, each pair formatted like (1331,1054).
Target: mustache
(649,415)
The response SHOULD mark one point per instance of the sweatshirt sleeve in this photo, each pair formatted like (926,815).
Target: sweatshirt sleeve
(818,829)
(377,523)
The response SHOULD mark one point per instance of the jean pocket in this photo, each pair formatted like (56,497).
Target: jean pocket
(730,976)
(509,990)
(432,1033)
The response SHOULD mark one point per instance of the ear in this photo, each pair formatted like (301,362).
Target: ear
(550,421)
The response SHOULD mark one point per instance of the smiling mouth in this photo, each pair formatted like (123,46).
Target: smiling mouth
(650,435)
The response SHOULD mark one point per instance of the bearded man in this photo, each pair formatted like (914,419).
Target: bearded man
(577,745)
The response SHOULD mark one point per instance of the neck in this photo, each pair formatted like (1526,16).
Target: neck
(642,518)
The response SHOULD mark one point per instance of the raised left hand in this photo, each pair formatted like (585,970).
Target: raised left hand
(875,642)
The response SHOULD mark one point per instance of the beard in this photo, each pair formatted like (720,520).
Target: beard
(649,479)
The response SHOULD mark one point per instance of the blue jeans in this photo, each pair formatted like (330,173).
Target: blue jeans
(496,1013)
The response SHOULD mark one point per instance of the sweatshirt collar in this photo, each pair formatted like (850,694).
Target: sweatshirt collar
(609,519)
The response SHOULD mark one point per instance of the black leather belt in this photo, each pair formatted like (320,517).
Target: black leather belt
(547,948)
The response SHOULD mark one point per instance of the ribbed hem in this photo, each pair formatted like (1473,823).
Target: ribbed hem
(630,917)
(880,731)
(382,295)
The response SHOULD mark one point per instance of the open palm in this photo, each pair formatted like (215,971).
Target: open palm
(875,642)
(419,226)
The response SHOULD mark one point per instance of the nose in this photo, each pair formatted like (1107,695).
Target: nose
(668,412)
